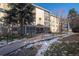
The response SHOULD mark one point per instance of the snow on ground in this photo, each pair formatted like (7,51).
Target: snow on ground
(45,46)
(45,43)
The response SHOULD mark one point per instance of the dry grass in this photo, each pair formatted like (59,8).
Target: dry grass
(68,46)
(72,38)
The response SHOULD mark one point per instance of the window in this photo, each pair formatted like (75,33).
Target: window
(53,29)
(57,22)
(39,18)
(53,25)
(53,21)
(56,26)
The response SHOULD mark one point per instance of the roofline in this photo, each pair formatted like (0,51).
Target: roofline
(44,10)
(41,7)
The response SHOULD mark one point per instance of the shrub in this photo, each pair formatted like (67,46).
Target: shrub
(75,29)
(63,49)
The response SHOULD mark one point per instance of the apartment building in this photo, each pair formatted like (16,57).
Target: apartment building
(39,16)
(54,24)
(4,28)
(44,21)
(42,16)
(2,12)
(3,8)
(45,18)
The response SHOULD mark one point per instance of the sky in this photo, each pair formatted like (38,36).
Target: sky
(61,9)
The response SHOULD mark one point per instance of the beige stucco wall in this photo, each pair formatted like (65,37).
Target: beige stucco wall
(46,18)
(39,14)
(54,21)
(4,6)
(54,24)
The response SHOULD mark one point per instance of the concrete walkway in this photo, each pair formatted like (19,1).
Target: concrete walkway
(13,46)
(20,43)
